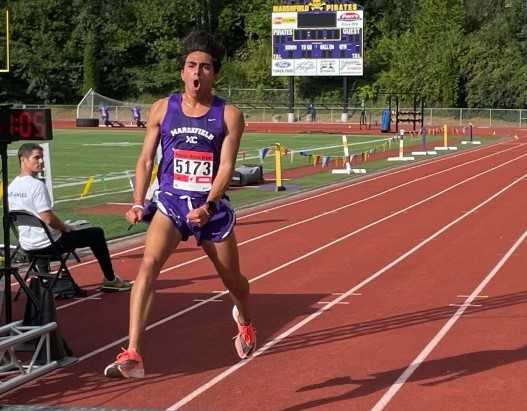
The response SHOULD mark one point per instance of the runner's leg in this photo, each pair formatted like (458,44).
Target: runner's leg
(224,255)
(161,238)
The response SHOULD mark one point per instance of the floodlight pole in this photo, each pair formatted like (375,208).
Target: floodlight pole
(291,100)
(344,116)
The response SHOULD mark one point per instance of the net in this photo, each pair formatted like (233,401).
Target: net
(91,104)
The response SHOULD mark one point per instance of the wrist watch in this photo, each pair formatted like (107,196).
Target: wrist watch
(211,207)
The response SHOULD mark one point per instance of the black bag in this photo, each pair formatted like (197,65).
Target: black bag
(44,314)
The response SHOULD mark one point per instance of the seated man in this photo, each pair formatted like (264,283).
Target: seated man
(28,193)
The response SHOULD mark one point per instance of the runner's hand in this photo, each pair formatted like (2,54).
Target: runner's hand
(198,216)
(134,214)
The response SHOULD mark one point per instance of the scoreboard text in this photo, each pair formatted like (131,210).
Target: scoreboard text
(321,40)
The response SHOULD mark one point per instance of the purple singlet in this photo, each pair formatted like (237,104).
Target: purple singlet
(191,148)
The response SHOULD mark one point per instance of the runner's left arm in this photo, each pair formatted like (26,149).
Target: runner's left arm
(234,124)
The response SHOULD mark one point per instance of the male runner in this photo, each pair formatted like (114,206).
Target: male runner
(199,136)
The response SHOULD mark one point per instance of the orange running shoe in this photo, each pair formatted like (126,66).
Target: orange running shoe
(245,340)
(128,364)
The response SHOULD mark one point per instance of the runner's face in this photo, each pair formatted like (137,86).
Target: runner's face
(34,163)
(198,74)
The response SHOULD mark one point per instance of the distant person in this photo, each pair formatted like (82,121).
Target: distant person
(105,115)
(136,116)
(311,112)
(27,193)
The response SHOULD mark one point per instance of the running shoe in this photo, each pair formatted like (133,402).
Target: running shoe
(245,340)
(115,285)
(128,364)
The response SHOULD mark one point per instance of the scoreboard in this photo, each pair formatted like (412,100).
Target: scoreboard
(317,38)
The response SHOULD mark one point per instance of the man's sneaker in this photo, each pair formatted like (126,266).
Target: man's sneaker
(245,340)
(115,285)
(128,364)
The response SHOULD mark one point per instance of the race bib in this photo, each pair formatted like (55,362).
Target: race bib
(193,170)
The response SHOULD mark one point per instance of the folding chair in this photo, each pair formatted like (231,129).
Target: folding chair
(52,253)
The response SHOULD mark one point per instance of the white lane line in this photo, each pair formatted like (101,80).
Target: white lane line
(477,296)
(259,237)
(287,227)
(126,251)
(388,395)
(220,377)
(389,173)
(291,262)
(465,305)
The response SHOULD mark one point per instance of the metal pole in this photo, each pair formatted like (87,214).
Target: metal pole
(344,116)
(7,246)
(291,100)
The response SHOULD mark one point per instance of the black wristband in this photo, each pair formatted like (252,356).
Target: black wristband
(211,207)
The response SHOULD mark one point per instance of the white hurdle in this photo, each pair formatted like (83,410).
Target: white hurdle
(401,156)
(348,170)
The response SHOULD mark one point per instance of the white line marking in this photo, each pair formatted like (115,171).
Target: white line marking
(313,316)
(329,302)
(388,174)
(290,262)
(388,395)
(250,240)
(464,305)
(477,296)
(210,301)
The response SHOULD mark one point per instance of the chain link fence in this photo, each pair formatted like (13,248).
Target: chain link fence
(271,105)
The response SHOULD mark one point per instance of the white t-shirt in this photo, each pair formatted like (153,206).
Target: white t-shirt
(29,194)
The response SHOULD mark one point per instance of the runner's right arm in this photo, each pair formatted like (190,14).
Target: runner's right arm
(145,162)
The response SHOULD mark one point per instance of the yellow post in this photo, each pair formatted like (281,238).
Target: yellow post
(87,187)
(445,135)
(278,167)
(1,190)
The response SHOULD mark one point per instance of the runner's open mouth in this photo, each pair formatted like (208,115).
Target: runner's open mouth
(196,83)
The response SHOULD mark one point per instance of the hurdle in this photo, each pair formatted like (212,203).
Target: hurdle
(424,151)
(445,146)
(471,141)
(348,170)
(401,156)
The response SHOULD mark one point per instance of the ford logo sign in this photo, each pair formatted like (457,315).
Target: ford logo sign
(282,64)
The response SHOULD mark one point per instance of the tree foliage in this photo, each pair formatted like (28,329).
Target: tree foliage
(454,52)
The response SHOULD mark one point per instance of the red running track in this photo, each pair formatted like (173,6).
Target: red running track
(365,297)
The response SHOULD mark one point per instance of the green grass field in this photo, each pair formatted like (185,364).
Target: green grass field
(109,157)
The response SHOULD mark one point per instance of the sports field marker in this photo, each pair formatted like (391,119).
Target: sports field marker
(278,167)
(471,141)
(425,151)
(87,187)
(401,156)
(348,170)
(445,146)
